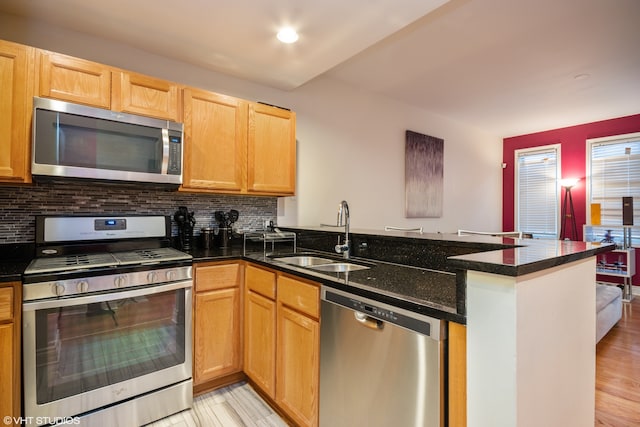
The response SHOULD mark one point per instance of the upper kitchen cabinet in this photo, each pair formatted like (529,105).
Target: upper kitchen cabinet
(74,80)
(16,81)
(215,129)
(84,82)
(148,96)
(237,147)
(271,147)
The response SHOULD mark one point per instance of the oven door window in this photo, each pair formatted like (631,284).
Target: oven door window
(85,347)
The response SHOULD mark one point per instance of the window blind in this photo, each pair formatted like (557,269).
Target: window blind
(614,174)
(537,197)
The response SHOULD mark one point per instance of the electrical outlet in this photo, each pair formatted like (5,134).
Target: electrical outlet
(267,222)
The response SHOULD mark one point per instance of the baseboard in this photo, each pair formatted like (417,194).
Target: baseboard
(208,386)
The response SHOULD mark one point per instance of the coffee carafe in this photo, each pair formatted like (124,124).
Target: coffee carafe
(185,221)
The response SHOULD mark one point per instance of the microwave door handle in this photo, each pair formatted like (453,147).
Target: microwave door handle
(59,143)
(165,151)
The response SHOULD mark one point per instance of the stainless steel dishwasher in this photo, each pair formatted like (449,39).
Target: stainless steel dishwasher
(379,365)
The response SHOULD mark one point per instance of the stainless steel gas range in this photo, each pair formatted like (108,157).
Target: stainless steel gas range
(106,322)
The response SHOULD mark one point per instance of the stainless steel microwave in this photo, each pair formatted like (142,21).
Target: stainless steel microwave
(77,141)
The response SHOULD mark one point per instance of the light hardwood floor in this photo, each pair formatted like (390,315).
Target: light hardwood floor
(618,371)
(234,406)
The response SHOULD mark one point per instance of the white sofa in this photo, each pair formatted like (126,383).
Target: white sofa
(608,308)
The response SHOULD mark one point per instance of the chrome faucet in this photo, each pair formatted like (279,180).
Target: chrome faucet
(343,221)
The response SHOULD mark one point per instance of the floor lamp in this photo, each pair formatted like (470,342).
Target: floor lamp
(568,214)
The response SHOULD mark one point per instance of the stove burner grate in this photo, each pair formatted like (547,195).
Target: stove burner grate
(71,262)
(105,259)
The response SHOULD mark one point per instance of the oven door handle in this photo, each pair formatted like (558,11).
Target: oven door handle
(89,299)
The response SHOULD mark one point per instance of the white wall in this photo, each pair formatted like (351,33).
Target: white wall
(350,143)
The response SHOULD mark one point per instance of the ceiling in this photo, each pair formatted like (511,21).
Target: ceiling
(508,67)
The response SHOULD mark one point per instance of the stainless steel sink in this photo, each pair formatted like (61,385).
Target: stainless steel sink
(320,264)
(304,260)
(338,267)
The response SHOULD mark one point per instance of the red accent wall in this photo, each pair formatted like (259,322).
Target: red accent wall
(573,161)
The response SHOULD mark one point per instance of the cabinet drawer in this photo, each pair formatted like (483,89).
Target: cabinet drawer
(210,277)
(6,303)
(301,296)
(261,281)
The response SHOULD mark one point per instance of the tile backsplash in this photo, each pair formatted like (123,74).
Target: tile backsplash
(20,204)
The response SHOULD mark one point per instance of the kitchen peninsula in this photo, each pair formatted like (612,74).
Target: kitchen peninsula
(529,307)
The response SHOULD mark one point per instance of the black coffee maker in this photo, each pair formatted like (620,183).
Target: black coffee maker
(185,221)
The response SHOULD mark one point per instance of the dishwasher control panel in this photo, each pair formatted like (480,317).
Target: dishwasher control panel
(378,312)
(413,321)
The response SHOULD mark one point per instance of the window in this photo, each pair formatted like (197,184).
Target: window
(613,172)
(537,191)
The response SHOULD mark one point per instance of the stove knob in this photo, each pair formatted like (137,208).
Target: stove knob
(152,277)
(83,286)
(58,289)
(119,281)
(171,275)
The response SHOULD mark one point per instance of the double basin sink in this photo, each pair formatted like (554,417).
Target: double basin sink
(318,263)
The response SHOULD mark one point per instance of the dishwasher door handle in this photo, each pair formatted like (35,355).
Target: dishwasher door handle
(368,321)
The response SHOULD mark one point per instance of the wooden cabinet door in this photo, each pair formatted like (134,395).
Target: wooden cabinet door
(260,341)
(298,350)
(16,81)
(217,334)
(10,332)
(215,142)
(74,80)
(7,376)
(457,362)
(148,96)
(271,145)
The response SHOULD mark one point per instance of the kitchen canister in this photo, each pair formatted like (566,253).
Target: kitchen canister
(223,238)
(207,236)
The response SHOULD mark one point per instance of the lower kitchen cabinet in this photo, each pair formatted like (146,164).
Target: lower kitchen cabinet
(10,327)
(298,350)
(217,321)
(457,375)
(282,341)
(260,328)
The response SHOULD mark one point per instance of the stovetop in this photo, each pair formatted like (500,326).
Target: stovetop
(67,263)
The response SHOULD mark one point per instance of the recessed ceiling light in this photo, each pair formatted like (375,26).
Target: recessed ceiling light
(287,35)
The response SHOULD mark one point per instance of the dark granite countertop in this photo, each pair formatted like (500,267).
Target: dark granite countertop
(11,271)
(423,273)
(529,256)
(14,259)
(499,255)
(420,290)
(429,292)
